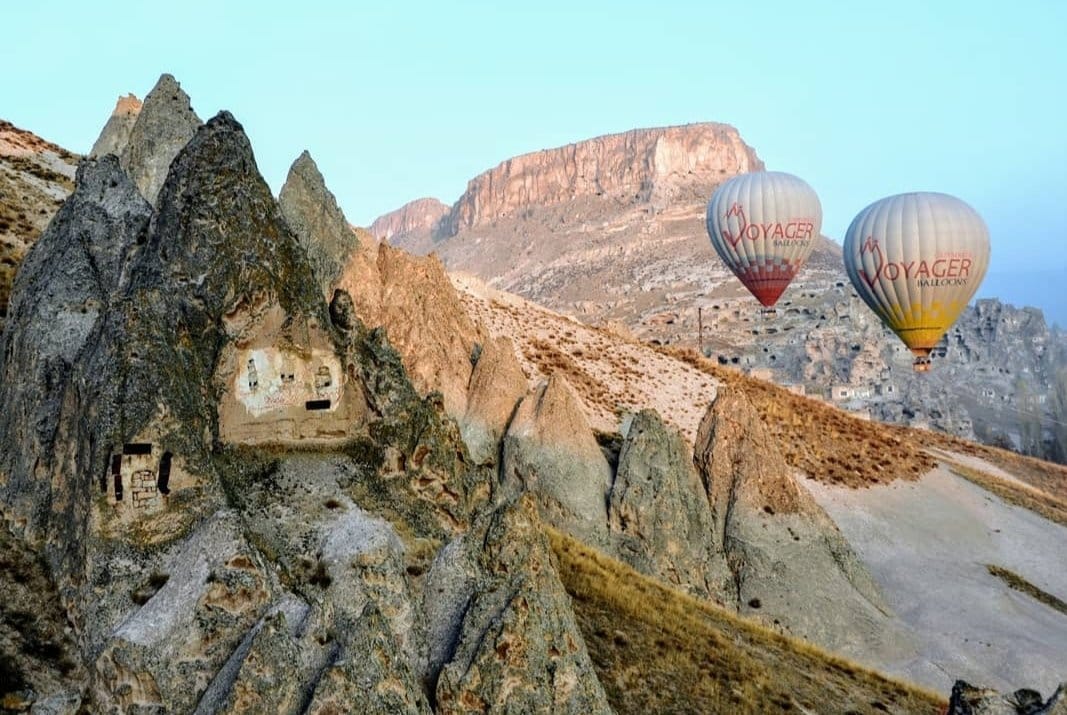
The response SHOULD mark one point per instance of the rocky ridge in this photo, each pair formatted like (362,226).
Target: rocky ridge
(421,216)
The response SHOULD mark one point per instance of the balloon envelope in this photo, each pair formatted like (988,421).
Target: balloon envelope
(763,225)
(917,259)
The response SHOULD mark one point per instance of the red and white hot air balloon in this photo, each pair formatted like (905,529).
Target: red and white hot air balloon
(763,225)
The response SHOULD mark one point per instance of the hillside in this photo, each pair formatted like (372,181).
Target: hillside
(609,252)
(35,177)
(660,651)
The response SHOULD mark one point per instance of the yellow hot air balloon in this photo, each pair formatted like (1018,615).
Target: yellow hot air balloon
(763,225)
(917,259)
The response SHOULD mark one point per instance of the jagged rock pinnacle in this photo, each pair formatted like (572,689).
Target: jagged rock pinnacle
(316,219)
(164,125)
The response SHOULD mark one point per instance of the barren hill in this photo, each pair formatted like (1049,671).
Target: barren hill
(611,231)
(35,177)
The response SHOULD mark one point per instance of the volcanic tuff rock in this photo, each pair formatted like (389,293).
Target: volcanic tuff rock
(519,648)
(496,386)
(116,133)
(412,299)
(969,700)
(165,123)
(550,451)
(253,576)
(317,220)
(659,514)
(789,562)
(65,288)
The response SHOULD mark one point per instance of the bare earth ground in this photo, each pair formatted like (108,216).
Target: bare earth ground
(613,375)
(927,543)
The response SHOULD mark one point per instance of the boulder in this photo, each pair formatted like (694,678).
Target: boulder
(969,700)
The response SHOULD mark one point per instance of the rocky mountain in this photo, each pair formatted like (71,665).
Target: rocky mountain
(611,231)
(35,177)
(241,486)
(419,217)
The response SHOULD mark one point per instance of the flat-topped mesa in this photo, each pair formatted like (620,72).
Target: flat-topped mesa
(418,215)
(644,164)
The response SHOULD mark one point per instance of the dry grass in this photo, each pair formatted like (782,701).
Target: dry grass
(1020,584)
(659,651)
(826,443)
(1037,501)
(1049,477)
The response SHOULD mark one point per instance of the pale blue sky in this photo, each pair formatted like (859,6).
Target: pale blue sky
(402,100)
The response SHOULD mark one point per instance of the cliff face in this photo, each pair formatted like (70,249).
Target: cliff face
(649,164)
(418,216)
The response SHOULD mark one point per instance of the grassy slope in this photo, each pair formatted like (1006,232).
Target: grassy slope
(832,446)
(657,650)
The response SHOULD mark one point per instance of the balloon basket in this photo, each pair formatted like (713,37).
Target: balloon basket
(768,312)
(921,364)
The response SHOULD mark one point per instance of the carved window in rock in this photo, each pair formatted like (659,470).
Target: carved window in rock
(116,475)
(163,480)
(323,379)
(137,477)
(253,376)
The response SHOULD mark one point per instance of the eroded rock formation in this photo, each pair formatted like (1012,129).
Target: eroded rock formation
(659,514)
(790,564)
(116,133)
(550,451)
(165,123)
(317,220)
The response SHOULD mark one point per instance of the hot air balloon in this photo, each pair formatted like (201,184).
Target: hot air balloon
(917,259)
(763,225)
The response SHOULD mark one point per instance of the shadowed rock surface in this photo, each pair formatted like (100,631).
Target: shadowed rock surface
(550,451)
(317,220)
(969,700)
